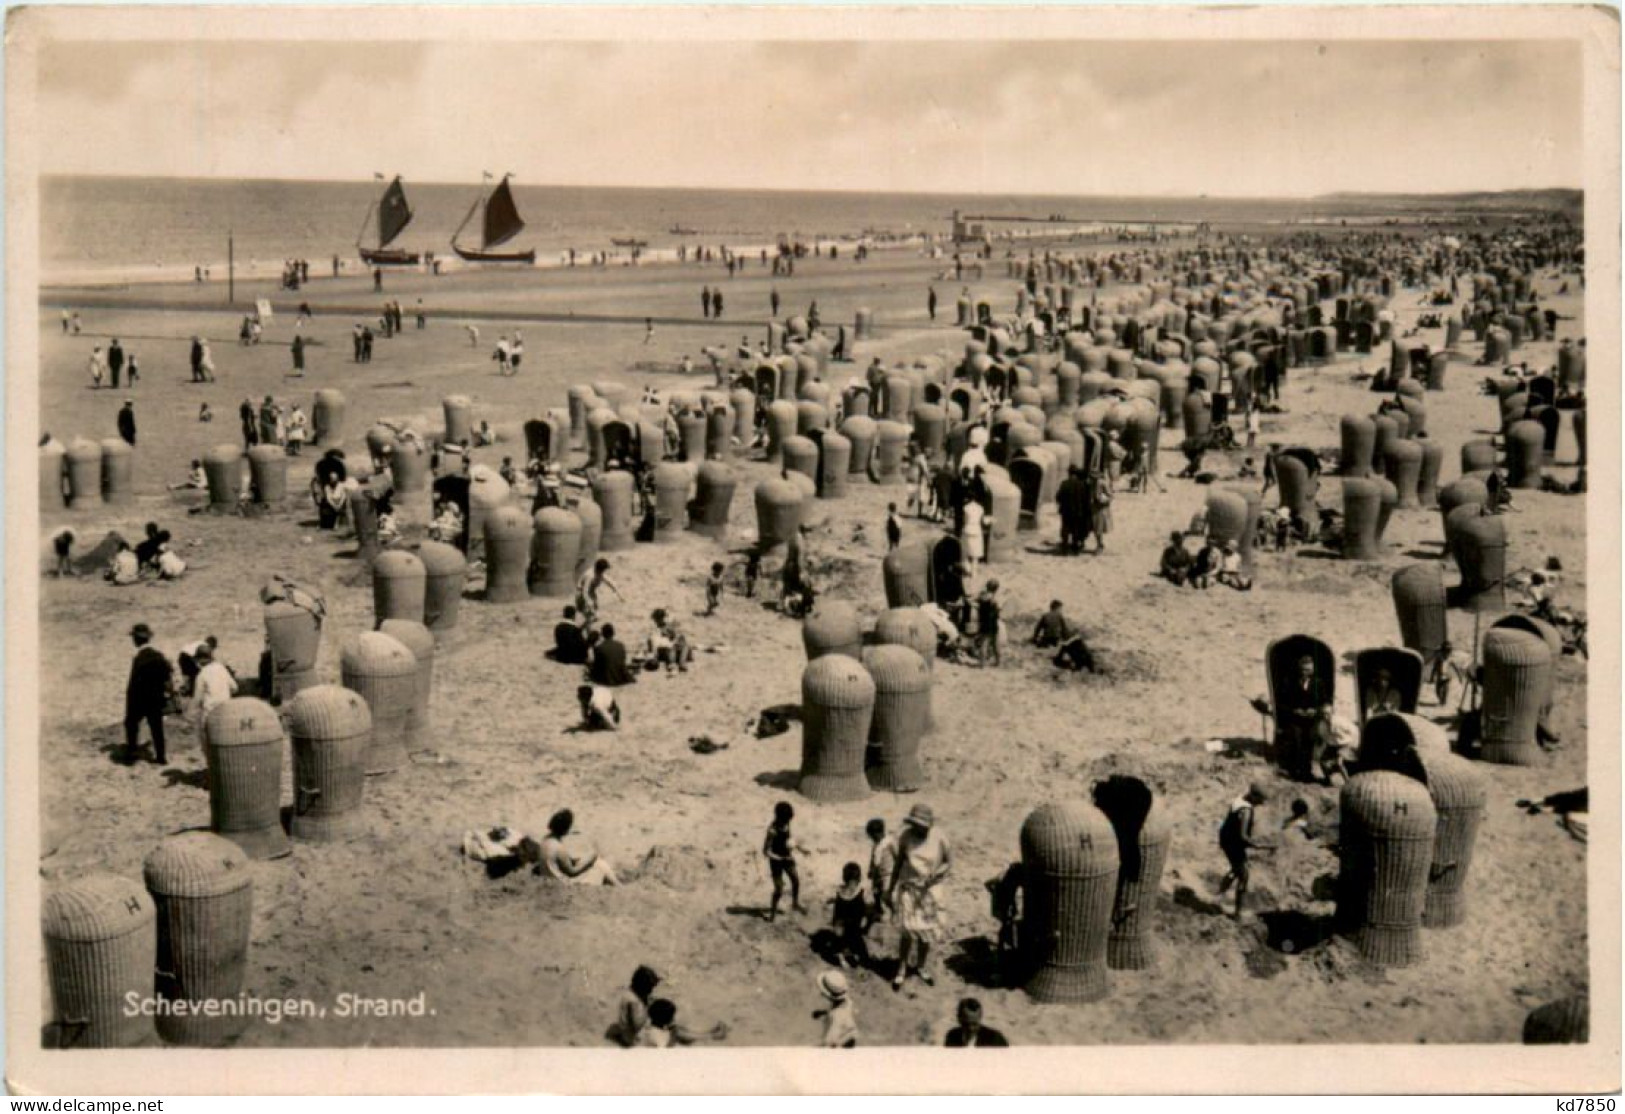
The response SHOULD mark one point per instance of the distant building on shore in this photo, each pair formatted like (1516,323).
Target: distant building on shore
(969,230)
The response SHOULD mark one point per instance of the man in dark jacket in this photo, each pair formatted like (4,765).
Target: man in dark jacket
(251,424)
(115,361)
(147,694)
(126,422)
(197,360)
(609,666)
(1072,500)
(569,640)
(971,1033)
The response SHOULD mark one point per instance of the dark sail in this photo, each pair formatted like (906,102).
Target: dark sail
(502,220)
(394,214)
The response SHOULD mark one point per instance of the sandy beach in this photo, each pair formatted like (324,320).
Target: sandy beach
(518,961)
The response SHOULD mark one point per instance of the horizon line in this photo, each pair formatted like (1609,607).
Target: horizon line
(1207,196)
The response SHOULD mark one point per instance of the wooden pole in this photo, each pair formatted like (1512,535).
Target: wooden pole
(231,269)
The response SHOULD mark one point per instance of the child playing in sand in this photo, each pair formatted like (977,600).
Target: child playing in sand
(780,848)
(753,571)
(840,1020)
(851,917)
(588,587)
(713,588)
(1236,840)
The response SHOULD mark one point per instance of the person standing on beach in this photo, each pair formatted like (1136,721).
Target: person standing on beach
(126,422)
(64,322)
(250,422)
(931,301)
(366,345)
(716,304)
(355,341)
(146,695)
(97,367)
(923,860)
(133,372)
(299,355)
(197,360)
(648,329)
(377,279)
(773,300)
(115,361)
(705,302)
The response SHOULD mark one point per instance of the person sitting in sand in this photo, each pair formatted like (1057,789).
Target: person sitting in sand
(168,564)
(599,710)
(125,569)
(667,645)
(1230,572)
(1177,561)
(196,479)
(569,640)
(567,856)
(1053,627)
(607,664)
(1205,567)
(634,1015)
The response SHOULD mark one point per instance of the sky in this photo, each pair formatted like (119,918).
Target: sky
(1233,119)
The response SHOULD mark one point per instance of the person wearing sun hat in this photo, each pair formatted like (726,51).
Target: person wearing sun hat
(840,1019)
(923,860)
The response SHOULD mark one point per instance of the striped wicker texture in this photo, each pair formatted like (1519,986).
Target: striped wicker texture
(555,551)
(53,474)
(902,717)
(409,468)
(1388,827)
(1175,392)
(1249,530)
(1226,515)
(243,745)
(1198,416)
(1003,517)
(1565,1021)
(445,572)
(810,417)
(1387,502)
(295,638)
(118,472)
(327,418)
(691,436)
(778,511)
(1129,947)
(597,420)
(781,418)
(1480,548)
(507,555)
(898,398)
(1477,456)
(1517,684)
(592,532)
(612,491)
(1362,507)
(384,674)
(1414,409)
(222,467)
(906,574)
(1427,484)
(908,626)
(204,896)
(1419,603)
(672,482)
(800,454)
(891,442)
(459,413)
(1571,366)
(833,629)
(268,465)
(1298,487)
(416,638)
(1403,467)
(834,465)
(1068,384)
(331,729)
(714,487)
(1459,796)
(1069,859)
(100,939)
(719,431)
(837,705)
(931,428)
(1526,454)
(1465,492)
(399,583)
(1386,426)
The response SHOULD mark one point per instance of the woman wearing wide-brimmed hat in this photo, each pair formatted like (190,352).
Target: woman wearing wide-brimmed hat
(923,860)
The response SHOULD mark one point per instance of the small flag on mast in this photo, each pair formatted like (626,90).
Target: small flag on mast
(378,176)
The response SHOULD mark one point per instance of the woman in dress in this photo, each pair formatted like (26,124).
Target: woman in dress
(923,860)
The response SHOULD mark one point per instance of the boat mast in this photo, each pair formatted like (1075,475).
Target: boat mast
(364,221)
(472,209)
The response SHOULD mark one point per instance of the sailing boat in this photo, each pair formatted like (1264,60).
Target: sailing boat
(394,214)
(502,223)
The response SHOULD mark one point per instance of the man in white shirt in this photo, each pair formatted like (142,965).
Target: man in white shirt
(214,685)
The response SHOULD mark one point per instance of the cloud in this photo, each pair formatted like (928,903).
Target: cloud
(1171,118)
